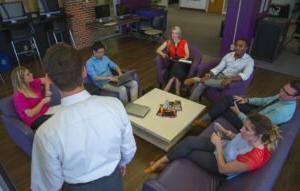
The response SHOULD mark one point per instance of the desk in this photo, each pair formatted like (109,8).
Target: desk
(39,25)
(164,132)
(118,23)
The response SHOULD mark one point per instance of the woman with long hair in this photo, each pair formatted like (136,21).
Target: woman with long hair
(30,102)
(174,49)
(246,151)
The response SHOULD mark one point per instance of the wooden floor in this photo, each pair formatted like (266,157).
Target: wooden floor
(139,55)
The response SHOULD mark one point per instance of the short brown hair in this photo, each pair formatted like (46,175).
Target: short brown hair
(295,84)
(64,66)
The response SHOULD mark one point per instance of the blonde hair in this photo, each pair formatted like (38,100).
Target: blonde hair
(270,134)
(18,82)
(272,138)
(177,29)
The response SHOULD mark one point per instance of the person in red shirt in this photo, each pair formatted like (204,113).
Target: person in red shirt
(174,49)
(246,151)
(29,99)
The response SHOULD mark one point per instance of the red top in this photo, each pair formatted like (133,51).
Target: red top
(256,158)
(180,52)
(22,103)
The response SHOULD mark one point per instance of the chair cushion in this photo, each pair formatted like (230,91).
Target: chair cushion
(187,176)
(7,108)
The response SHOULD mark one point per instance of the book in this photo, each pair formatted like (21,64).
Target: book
(175,105)
(164,112)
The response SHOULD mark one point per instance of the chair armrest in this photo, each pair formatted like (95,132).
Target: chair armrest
(160,62)
(161,65)
(153,185)
(19,125)
(196,61)
(237,87)
(206,67)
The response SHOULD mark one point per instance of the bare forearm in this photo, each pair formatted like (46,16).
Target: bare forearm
(236,78)
(32,112)
(220,159)
(119,71)
(160,52)
(99,78)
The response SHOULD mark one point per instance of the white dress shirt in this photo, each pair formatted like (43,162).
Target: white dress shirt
(230,66)
(85,140)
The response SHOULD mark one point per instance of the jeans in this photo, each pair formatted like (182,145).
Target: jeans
(199,87)
(122,90)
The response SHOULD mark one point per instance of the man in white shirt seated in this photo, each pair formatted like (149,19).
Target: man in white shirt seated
(87,144)
(234,66)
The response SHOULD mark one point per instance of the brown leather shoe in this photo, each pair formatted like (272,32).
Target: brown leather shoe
(200,123)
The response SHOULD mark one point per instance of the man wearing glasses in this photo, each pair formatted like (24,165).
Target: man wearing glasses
(278,108)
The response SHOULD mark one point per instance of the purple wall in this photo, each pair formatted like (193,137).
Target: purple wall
(249,15)
(136,4)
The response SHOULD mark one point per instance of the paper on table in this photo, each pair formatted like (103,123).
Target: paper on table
(185,61)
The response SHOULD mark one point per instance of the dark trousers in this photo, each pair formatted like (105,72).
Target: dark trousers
(39,121)
(112,182)
(177,70)
(198,149)
(222,107)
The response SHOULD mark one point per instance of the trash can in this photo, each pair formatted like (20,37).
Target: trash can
(5,63)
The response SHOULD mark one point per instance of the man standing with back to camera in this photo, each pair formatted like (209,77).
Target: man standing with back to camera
(87,144)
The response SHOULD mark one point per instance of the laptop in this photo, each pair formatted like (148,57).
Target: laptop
(137,109)
(125,77)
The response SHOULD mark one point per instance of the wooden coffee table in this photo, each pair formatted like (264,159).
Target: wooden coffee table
(164,132)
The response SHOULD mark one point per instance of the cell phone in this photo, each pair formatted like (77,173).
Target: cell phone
(217,129)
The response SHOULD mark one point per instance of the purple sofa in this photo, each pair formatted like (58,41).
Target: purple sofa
(18,131)
(161,65)
(214,94)
(185,175)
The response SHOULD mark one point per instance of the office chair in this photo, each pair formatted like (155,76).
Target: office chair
(21,32)
(156,32)
(58,27)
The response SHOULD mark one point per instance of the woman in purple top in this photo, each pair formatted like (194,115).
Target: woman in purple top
(30,102)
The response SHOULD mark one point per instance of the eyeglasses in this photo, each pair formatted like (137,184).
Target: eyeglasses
(286,92)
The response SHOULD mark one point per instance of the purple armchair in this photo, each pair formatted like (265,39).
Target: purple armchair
(185,175)
(18,131)
(214,94)
(161,65)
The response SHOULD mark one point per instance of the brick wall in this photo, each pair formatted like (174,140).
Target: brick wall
(82,11)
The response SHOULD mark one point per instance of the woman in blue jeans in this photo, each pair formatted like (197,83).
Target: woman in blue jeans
(246,151)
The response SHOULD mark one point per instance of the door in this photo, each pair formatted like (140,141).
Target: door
(215,6)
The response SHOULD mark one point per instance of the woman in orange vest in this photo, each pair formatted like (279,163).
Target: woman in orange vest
(174,49)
